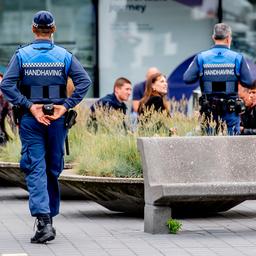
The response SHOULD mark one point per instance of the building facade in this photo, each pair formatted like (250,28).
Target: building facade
(114,38)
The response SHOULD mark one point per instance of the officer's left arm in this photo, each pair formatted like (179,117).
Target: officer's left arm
(81,81)
(245,74)
(192,73)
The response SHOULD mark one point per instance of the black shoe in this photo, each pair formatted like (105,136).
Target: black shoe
(54,231)
(47,233)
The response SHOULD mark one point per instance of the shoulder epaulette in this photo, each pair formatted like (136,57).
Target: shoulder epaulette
(23,45)
(63,48)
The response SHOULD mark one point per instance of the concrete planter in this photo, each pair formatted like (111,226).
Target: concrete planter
(182,174)
(10,174)
(117,194)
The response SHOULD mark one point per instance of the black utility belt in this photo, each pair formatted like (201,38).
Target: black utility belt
(48,109)
(221,105)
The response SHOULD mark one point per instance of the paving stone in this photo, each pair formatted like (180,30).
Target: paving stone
(86,228)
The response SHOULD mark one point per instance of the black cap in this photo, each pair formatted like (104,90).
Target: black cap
(43,19)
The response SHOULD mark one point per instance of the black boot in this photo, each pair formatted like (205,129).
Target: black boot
(45,231)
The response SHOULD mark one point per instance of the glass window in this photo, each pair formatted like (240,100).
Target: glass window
(75,22)
(241,16)
(135,35)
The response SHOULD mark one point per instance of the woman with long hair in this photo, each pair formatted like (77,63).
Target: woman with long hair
(155,95)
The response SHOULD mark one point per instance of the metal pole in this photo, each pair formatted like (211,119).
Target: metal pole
(96,88)
(220,12)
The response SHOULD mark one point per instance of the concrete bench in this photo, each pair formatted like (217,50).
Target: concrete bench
(195,174)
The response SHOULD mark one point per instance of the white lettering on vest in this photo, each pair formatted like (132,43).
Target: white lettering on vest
(39,72)
(219,72)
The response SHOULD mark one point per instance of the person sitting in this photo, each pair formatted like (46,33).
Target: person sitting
(154,106)
(248,118)
(111,102)
(121,93)
(139,89)
(155,95)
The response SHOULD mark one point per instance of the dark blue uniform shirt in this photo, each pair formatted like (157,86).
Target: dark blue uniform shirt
(110,101)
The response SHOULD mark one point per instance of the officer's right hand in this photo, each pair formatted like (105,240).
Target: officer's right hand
(37,112)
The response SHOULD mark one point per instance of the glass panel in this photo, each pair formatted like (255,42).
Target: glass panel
(75,22)
(135,35)
(241,16)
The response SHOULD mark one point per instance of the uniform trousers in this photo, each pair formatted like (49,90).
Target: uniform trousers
(42,160)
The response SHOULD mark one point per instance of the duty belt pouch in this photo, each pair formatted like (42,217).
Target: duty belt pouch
(70,118)
(231,105)
(217,105)
(48,109)
(240,106)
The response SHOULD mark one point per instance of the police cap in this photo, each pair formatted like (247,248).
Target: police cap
(43,19)
(221,31)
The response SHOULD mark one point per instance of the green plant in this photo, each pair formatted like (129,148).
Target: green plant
(173,225)
(109,146)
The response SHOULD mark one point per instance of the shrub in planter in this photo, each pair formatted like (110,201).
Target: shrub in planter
(112,149)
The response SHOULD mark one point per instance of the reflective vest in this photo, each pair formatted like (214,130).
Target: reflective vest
(219,71)
(44,71)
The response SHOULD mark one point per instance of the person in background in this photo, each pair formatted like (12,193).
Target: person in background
(139,89)
(36,82)
(116,100)
(243,93)
(5,111)
(154,101)
(219,71)
(70,87)
(155,95)
(248,118)
(111,102)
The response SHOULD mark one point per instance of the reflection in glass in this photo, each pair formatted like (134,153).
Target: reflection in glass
(75,22)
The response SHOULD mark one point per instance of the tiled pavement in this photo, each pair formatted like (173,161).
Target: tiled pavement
(86,228)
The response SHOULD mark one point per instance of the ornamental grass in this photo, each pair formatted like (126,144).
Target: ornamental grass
(108,146)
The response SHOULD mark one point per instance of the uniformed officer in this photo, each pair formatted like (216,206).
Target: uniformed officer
(219,71)
(37,76)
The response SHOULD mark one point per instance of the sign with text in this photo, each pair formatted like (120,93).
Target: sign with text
(137,34)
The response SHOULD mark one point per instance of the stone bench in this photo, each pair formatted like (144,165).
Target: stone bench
(185,175)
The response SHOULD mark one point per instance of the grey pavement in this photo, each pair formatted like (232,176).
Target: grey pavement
(86,228)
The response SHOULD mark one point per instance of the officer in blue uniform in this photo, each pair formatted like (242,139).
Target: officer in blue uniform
(37,76)
(219,71)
